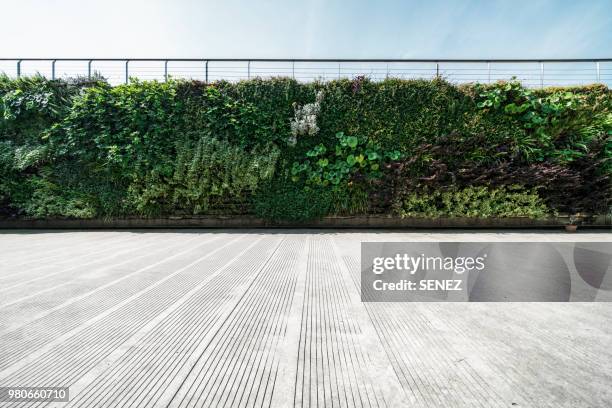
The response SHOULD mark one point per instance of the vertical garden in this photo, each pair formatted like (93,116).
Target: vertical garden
(288,151)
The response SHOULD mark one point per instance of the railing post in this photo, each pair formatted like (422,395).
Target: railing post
(374,71)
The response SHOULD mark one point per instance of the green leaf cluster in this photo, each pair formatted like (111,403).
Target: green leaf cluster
(481,202)
(83,148)
(350,156)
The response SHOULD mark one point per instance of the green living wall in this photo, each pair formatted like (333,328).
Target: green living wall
(284,150)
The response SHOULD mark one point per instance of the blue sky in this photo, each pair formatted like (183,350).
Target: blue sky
(307,29)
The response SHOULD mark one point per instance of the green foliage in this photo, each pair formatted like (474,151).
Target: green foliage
(212,173)
(41,198)
(29,107)
(274,101)
(284,200)
(480,202)
(559,124)
(352,199)
(350,156)
(395,114)
(292,151)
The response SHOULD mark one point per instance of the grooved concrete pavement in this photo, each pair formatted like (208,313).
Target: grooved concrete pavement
(232,318)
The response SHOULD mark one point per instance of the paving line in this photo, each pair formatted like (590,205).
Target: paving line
(330,325)
(430,375)
(43,261)
(272,361)
(383,316)
(55,301)
(362,359)
(359,376)
(244,329)
(425,384)
(321,358)
(283,271)
(219,352)
(74,274)
(126,348)
(137,399)
(415,395)
(103,328)
(45,333)
(256,327)
(69,374)
(270,364)
(300,363)
(180,395)
(69,255)
(286,378)
(355,353)
(338,334)
(170,358)
(327,320)
(207,319)
(468,391)
(48,249)
(36,356)
(44,264)
(420,388)
(7,287)
(332,363)
(114,251)
(317,332)
(20,247)
(470,375)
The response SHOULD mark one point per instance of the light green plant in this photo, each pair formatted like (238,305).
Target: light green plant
(212,172)
(481,202)
(351,155)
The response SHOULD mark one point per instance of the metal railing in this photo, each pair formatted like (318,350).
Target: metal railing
(531,72)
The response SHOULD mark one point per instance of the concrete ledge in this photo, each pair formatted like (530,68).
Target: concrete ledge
(245,221)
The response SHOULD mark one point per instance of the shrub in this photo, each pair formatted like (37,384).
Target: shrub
(350,158)
(293,151)
(480,202)
(211,172)
(284,200)
(210,175)
(40,198)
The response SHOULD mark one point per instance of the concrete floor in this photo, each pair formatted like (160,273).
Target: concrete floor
(274,318)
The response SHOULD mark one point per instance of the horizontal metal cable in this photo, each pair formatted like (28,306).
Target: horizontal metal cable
(532,72)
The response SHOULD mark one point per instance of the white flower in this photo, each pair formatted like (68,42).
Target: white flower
(304,121)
